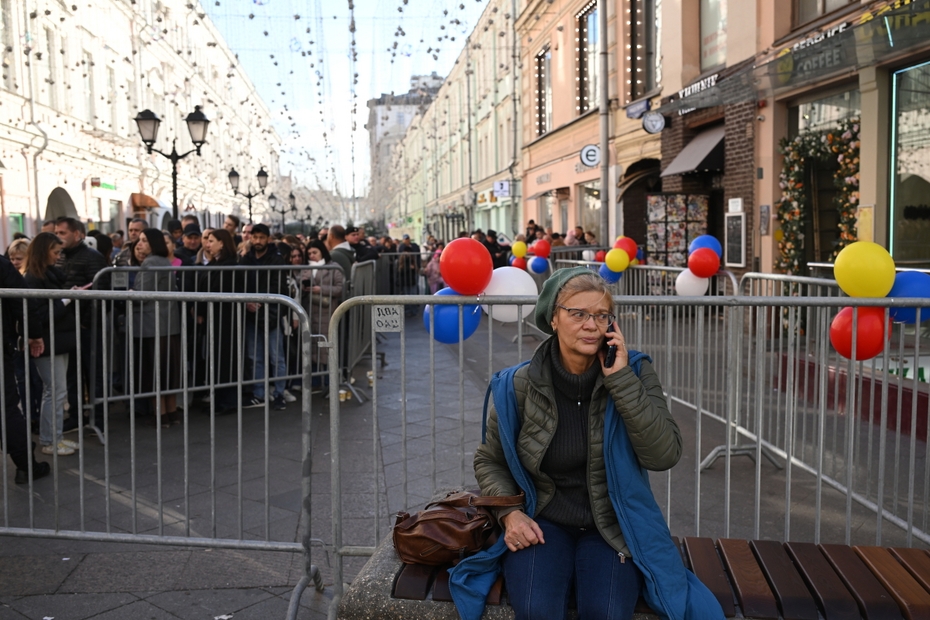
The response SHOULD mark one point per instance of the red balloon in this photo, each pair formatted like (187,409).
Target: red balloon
(872,331)
(704,263)
(601,256)
(542,248)
(627,245)
(519,262)
(466,266)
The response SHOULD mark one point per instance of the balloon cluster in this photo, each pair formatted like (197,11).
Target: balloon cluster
(537,263)
(618,259)
(466,266)
(866,269)
(704,255)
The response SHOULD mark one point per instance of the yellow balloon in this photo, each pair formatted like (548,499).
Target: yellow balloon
(617,260)
(864,269)
(634,262)
(518,249)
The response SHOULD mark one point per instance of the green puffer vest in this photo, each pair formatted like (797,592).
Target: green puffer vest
(639,400)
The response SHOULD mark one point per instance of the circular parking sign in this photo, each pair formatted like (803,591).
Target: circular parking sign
(591,155)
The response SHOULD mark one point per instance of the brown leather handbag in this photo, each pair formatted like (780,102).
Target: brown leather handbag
(448,530)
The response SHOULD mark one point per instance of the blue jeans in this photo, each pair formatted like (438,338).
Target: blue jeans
(539,578)
(255,347)
(54,396)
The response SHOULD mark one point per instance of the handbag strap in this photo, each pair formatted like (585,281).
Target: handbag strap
(489,501)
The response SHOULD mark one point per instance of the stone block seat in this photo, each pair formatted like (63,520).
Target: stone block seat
(752,579)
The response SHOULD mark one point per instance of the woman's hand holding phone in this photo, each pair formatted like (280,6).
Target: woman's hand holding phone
(613,355)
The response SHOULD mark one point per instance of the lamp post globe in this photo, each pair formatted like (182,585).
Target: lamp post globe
(262,178)
(197,124)
(234,180)
(148,123)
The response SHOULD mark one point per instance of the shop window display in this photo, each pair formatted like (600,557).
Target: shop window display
(910,182)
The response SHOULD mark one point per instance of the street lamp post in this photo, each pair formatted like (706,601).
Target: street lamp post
(273,203)
(262,177)
(292,201)
(197,123)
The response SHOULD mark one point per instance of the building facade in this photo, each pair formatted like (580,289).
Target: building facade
(71,89)
(806,132)
(457,167)
(560,89)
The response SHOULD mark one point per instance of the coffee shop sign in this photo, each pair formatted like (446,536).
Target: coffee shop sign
(820,37)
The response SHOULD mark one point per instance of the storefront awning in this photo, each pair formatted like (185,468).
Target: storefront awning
(548,192)
(704,152)
(143,201)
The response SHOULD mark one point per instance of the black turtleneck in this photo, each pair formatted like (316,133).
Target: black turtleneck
(566,459)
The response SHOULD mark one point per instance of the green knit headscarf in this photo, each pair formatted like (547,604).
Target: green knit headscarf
(545,307)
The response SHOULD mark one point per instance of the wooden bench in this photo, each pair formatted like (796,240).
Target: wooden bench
(751,579)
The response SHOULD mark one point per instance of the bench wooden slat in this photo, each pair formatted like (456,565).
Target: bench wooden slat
(875,603)
(752,590)
(413,582)
(911,597)
(834,599)
(705,563)
(794,598)
(917,562)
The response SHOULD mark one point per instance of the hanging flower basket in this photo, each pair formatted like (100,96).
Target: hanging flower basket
(840,144)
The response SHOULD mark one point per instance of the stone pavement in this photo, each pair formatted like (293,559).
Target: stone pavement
(248,494)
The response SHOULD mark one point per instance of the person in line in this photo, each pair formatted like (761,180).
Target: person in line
(264,253)
(231,225)
(226,336)
(325,288)
(124,257)
(16,252)
(41,273)
(157,324)
(359,245)
(432,273)
(81,264)
(569,427)
(176,232)
(408,272)
(340,250)
(190,245)
(13,433)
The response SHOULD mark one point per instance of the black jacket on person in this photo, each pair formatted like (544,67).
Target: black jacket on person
(80,264)
(273,281)
(62,315)
(227,339)
(364,252)
(13,309)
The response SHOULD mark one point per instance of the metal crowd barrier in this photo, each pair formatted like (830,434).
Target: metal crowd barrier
(205,482)
(839,450)
(112,318)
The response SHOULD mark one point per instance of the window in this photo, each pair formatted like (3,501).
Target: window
(51,77)
(808,10)
(88,78)
(6,38)
(111,99)
(713,33)
(586,39)
(642,50)
(543,92)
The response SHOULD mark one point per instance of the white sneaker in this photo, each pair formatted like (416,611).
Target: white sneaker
(71,444)
(63,450)
(288,397)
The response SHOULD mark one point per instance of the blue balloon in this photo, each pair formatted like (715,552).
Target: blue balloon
(447,320)
(538,264)
(611,277)
(910,284)
(640,255)
(706,241)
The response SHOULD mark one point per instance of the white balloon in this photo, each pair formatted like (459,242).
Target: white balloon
(689,285)
(588,255)
(510,281)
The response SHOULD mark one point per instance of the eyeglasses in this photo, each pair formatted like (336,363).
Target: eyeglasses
(580,316)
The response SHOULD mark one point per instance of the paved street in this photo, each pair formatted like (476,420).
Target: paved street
(60,579)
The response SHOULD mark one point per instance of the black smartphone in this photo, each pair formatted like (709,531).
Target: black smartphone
(611,350)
